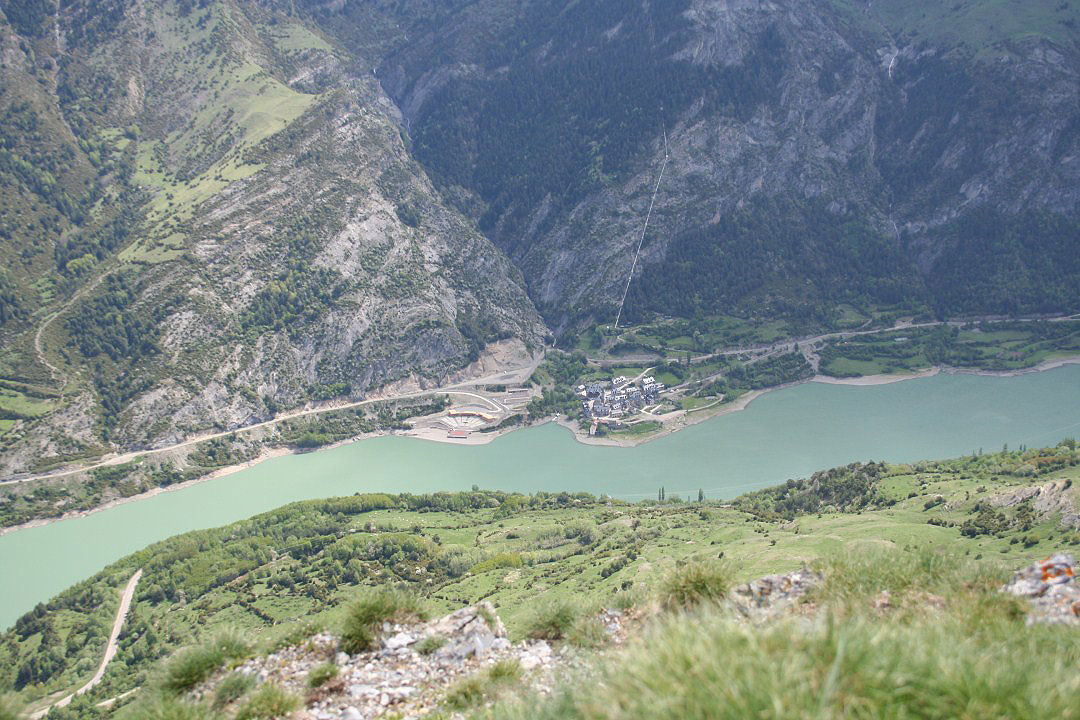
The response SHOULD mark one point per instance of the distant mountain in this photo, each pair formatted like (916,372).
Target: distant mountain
(214,210)
(821,152)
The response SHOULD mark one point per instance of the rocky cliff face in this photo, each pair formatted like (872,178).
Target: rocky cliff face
(908,163)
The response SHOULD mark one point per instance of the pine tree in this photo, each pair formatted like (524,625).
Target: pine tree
(700,495)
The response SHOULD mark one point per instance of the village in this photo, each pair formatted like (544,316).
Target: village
(608,402)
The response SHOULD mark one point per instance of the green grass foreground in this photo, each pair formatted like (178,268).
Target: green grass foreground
(948,646)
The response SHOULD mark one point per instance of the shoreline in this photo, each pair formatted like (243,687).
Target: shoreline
(677,420)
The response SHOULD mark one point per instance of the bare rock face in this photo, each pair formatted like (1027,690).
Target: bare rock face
(280,237)
(1052,588)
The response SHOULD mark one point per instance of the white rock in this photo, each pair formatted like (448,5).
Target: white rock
(400,640)
(360,690)
(352,714)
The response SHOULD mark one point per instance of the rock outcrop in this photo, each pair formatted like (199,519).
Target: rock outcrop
(1052,588)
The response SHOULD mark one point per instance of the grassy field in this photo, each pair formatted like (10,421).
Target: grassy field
(303,563)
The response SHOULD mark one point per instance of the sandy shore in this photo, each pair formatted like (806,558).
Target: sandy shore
(866,380)
(947,370)
(1045,365)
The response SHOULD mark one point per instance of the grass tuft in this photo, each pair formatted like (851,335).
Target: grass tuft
(483,686)
(587,632)
(854,667)
(8,709)
(430,644)
(361,625)
(695,584)
(166,707)
(193,665)
(269,701)
(322,674)
(552,620)
(234,686)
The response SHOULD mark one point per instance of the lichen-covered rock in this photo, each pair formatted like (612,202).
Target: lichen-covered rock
(1051,587)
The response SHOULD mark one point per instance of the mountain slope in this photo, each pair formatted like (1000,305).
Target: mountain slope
(268,241)
(821,152)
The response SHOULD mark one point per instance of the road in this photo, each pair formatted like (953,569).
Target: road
(129,456)
(110,648)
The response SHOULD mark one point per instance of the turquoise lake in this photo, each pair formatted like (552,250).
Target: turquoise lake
(783,434)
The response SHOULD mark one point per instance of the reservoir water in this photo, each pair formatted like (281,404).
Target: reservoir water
(783,434)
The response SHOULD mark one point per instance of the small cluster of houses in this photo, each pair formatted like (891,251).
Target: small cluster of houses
(619,397)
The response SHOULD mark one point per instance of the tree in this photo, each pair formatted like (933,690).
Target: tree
(700,495)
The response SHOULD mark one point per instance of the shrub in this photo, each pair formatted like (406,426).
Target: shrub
(552,620)
(231,688)
(321,674)
(500,560)
(360,628)
(269,701)
(696,583)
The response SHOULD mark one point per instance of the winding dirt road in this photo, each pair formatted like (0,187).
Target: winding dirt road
(110,648)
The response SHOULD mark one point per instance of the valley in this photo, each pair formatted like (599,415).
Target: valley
(539,359)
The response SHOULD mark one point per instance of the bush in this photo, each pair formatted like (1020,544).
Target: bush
(360,628)
(553,620)
(231,688)
(695,584)
(269,701)
(321,674)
